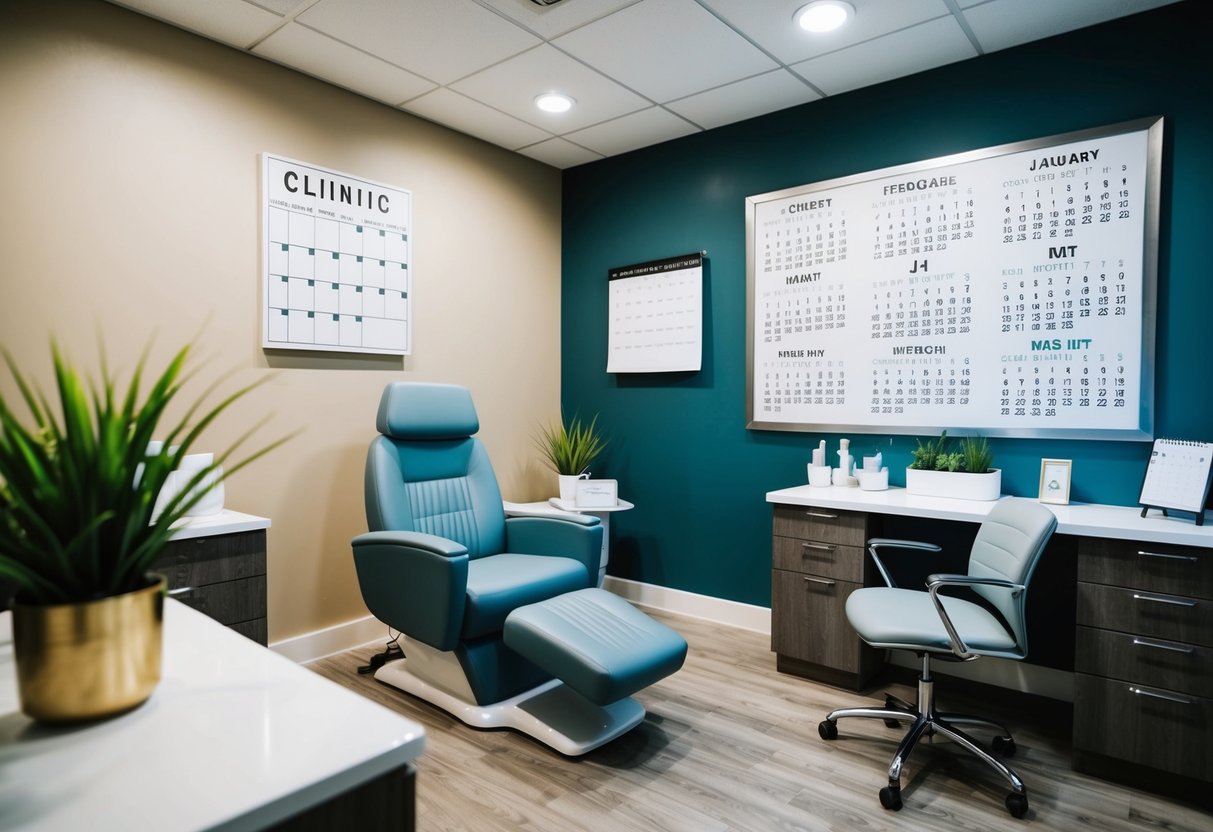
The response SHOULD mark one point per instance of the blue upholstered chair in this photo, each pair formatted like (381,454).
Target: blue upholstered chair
(1004,555)
(501,624)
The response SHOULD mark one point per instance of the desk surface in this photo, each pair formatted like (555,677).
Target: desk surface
(225,522)
(235,737)
(1083,519)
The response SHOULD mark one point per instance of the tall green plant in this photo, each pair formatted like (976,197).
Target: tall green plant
(569,449)
(977,453)
(77,488)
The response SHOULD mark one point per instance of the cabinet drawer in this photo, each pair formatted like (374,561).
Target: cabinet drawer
(811,622)
(826,525)
(199,561)
(1180,570)
(229,602)
(831,560)
(1153,662)
(1149,726)
(257,630)
(1171,617)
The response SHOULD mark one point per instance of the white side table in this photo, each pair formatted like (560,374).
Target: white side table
(555,507)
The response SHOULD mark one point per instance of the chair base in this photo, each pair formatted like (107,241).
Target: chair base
(551,713)
(925,721)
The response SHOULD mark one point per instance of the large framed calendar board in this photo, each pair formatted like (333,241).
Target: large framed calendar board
(1008,290)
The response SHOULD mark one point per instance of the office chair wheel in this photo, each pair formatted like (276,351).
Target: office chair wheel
(890,798)
(1017,804)
(1006,747)
(827,729)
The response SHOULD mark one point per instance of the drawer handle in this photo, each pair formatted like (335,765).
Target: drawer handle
(822,514)
(1174,648)
(181,590)
(821,547)
(1175,602)
(822,581)
(1167,556)
(1169,697)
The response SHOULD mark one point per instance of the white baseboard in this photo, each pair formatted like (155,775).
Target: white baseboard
(336,639)
(718,610)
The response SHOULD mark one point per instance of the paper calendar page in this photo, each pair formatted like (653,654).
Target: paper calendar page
(1177,475)
(655,316)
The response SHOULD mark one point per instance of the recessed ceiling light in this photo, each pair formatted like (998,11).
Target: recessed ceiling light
(553,102)
(824,15)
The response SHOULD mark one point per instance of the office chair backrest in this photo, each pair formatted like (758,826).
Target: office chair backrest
(1008,546)
(426,472)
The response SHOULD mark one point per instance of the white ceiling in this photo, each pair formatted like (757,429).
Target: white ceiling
(641,71)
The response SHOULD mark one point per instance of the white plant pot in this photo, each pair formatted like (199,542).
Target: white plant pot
(957,485)
(568,486)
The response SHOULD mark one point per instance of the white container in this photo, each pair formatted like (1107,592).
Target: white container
(956,485)
(874,480)
(819,476)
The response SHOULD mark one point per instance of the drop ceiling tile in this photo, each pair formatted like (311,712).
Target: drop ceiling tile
(902,53)
(665,49)
(770,24)
(1005,23)
(552,21)
(442,40)
(744,99)
(511,87)
(233,22)
(635,130)
(282,7)
(559,153)
(311,52)
(475,119)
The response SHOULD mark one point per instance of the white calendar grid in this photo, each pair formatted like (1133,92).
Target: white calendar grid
(1177,475)
(655,313)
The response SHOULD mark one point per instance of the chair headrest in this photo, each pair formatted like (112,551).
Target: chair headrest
(415,410)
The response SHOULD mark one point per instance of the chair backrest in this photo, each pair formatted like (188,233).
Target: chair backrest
(1008,546)
(426,472)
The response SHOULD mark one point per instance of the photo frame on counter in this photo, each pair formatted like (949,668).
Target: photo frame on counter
(1055,481)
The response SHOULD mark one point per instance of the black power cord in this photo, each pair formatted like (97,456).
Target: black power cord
(391,652)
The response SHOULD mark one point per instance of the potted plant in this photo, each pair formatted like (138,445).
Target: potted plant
(78,488)
(965,473)
(569,450)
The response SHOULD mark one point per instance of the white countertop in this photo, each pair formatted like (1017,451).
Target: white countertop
(225,522)
(1084,519)
(235,737)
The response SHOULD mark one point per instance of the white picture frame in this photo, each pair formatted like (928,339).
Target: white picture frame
(597,494)
(1055,481)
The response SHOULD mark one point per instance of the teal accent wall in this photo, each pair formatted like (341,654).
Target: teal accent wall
(679,445)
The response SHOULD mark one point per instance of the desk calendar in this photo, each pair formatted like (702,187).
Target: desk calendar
(1178,475)
(335,270)
(1008,290)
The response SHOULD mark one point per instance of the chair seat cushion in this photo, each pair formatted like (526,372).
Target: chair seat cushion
(499,583)
(907,619)
(596,643)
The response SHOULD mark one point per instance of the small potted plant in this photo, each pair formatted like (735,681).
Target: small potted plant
(78,533)
(965,473)
(569,450)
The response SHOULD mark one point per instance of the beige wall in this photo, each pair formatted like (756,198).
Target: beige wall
(129,168)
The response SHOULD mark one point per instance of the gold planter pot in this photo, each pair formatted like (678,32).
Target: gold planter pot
(90,660)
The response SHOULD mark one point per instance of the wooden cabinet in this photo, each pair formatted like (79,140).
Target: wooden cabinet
(1143,691)
(223,576)
(818,560)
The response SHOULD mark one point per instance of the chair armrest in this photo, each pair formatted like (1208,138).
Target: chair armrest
(415,583)
(577,536)
(935,582)
(876,543)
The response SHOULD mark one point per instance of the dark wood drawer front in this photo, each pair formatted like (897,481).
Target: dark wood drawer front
(229,602)
(811,623)
(1179,570)
(1153,662)
(256,629)
(831,560)
(825,525)
(1171,617)
(211,560)
(1149,726)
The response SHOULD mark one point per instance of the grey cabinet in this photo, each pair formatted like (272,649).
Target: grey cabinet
(817,558)
(222,576)
(1143,690)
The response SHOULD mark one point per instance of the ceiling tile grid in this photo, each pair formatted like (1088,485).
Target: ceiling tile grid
(640,71)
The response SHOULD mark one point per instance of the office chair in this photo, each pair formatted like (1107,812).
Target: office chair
(501,621)
(1004,556)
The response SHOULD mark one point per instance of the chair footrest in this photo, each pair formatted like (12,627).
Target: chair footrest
(596,643)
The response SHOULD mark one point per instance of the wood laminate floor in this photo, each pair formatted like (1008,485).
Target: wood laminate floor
(731,744)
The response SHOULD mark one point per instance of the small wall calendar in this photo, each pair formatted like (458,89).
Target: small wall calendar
(655,312)
(1010,290)
(335,273)
(1178,475)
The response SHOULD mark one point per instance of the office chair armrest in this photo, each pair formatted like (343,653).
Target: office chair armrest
(578,536)
(415,583)
(891,543)
(935,582)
